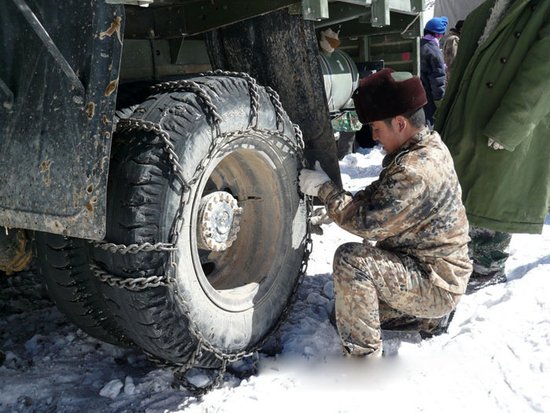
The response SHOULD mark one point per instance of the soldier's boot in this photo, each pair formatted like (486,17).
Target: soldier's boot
(489,252)
(479,281)
(392,339)
(351,349)
(417,327)
(432,327)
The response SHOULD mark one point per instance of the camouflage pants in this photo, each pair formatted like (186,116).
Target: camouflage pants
(489,250)
(372,285)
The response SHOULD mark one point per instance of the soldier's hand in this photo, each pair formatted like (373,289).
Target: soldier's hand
(320,217)
(312,179)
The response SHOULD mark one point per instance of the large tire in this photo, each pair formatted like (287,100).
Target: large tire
(226,301)
(64,266)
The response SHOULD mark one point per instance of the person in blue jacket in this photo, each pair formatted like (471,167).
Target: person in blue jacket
(432,65)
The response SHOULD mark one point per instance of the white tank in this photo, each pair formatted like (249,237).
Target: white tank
(341,78)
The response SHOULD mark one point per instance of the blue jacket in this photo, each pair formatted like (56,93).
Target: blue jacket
(432,74)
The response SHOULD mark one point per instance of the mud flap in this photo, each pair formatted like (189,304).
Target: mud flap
(58,83)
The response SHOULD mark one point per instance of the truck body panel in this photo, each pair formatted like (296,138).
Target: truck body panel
(60,76)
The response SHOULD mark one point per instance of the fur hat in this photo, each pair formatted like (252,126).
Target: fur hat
(437,25)
(386,94)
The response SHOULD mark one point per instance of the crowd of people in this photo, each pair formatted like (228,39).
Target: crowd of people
(467,164)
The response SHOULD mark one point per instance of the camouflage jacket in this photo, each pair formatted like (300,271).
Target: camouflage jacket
(414,208)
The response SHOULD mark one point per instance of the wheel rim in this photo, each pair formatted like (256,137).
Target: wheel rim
(239,277)
(218,221)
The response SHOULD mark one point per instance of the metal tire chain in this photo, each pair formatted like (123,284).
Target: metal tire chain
(252,90)
(137,284)
(279,110)
(132,284)
(202,343)
(132,248)
(254,95)
(180,369)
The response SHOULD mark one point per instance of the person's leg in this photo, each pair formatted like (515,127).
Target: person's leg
(488,250)
(356,305)
(363,275)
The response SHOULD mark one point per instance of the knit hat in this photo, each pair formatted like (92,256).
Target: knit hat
(386,94)
(437,25)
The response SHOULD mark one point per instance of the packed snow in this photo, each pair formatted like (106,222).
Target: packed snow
(495,356)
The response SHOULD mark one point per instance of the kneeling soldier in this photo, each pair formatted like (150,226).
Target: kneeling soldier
(419,265)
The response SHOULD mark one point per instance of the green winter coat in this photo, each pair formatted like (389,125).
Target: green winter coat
(501,90)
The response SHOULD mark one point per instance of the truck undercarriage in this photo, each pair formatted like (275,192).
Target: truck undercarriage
(163,204)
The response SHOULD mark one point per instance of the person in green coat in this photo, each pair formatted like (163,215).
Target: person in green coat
(495,120)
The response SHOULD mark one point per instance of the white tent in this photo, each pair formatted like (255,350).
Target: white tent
(455,9)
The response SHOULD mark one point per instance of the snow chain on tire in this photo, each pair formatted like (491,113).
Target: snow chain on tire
(141,283)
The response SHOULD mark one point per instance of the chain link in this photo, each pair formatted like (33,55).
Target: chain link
(180,371)
(141,283)
(133,248)
(253,91)
(132,124)
(279,110)
(299,139)
(132,284)
(190,86)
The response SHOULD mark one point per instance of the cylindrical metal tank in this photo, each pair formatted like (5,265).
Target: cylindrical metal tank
(341,78)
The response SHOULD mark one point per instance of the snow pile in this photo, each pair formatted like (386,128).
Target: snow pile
(494,358)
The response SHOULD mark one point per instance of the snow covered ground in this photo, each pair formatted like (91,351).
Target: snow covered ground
(494,358)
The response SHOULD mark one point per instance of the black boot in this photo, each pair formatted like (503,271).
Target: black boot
(479,281)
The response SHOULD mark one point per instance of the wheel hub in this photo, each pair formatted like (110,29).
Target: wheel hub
(218,221)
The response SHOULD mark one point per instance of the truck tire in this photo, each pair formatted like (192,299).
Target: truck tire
(64,266)
(240,217)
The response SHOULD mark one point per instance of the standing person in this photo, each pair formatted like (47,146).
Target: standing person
(432,65)
(495,119)
(450,47)
(419,265)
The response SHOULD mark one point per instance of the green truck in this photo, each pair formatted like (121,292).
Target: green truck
(150,155)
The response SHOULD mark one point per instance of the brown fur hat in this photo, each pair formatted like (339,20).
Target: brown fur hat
(386,94)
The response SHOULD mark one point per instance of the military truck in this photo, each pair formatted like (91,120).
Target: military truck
(161,206)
